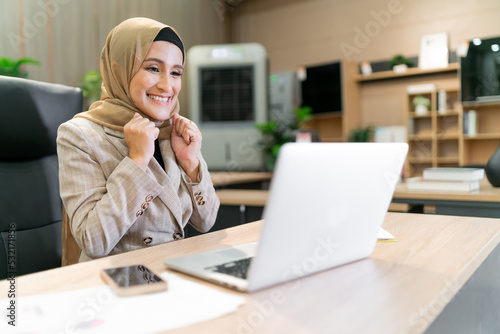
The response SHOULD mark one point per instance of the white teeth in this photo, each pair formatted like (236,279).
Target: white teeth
(157,98)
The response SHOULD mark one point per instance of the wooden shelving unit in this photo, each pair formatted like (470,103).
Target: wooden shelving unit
(329,126)
(412,71)
(479,148)
(435,138)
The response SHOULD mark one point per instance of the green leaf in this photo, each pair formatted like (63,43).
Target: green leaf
(13,68)
(279,131)
(91,85)
(399,59)
(266,128)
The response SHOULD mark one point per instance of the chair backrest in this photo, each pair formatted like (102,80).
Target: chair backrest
(31,219)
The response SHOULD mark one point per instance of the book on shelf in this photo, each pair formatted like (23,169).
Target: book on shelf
(453,174)
(418,183)
(420,89)
(470,123)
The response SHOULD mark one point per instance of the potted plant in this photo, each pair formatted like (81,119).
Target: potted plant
(399,63)
(421,104)
(361,134)
(13,68)
(91,86)
(279,131)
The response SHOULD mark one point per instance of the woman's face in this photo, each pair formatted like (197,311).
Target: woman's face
(155,87)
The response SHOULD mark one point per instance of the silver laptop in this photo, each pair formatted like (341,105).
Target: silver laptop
(327,202)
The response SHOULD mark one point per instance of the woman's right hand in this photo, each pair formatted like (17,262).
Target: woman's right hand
(140,135)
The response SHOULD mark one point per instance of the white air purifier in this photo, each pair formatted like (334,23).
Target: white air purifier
(228,96)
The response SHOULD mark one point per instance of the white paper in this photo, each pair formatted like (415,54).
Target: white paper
(433,51)
(385,235)
(99,310)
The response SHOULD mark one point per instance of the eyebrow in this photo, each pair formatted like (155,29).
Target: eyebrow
(162,62)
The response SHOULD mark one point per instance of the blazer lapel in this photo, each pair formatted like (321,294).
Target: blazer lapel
(169,180)
(117,138)
(170,185)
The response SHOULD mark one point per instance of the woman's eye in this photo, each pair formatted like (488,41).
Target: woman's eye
(152,69)
(176,74)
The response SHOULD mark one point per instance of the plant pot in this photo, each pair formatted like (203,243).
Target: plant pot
(305,136)
(401,68)
(421,110)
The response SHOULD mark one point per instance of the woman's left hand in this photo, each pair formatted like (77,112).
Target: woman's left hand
(186,143)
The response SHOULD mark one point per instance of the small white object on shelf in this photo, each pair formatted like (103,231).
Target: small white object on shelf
(366,68)
(441,101)
(421,110)
(471,123)
(401,68)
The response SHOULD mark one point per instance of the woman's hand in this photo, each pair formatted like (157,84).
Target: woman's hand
(140,135)
(186,143)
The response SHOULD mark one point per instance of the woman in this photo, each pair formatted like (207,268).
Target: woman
(131,172)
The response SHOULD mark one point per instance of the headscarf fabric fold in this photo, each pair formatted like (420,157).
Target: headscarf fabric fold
(125,49)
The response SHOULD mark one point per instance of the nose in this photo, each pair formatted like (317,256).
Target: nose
(164,83)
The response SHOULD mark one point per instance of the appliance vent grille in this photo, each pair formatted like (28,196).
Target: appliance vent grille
(227,94)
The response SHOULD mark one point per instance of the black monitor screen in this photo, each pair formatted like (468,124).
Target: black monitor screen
(480,71)
(322,88)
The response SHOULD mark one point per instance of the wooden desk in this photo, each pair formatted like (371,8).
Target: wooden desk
(252,197)
(482,203)
(401,288)
(220,179)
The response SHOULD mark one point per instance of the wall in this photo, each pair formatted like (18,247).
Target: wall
(297,32)
(300,32)
(67,35)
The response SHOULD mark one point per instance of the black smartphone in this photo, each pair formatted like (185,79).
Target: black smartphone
(133,280)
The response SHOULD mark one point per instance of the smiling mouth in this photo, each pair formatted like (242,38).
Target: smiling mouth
(159,99)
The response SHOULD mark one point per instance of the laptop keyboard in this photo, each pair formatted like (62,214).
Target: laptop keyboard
(234,268)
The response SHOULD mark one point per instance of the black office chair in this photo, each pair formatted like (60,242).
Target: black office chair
(30,205)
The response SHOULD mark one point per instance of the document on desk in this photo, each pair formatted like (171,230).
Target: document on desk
(99,310)
(385,236)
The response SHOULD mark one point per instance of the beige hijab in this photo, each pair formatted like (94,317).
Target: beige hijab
(125,49)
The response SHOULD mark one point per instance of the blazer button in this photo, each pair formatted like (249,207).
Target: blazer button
(147,240)
(139,213)
(199,198)
(177,235)
(145,205)
(198,193)
(149,198)
(201,203)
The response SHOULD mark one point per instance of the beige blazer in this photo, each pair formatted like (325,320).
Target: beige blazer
(113,205)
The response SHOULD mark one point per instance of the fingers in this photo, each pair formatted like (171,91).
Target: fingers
(186,129)
(139,125)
